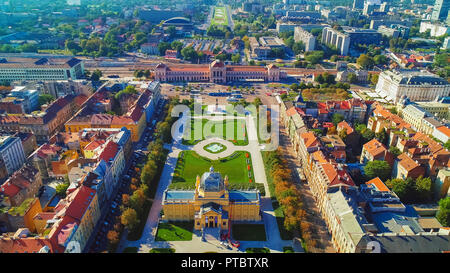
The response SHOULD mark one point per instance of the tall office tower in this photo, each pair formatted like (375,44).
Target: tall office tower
(440,10)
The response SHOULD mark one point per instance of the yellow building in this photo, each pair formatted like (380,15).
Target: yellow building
(134,121)
(40,221)
(89,150)
(26,211)
(211,204)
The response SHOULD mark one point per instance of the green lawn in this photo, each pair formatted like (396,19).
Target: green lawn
(130,250)
(231,130)
(55,51)
(220,16)
(190,164)
(257,250)
(277,85)
(20,210)
(209,147)
(175,231)
(248,232)
(204,107)
(162,250)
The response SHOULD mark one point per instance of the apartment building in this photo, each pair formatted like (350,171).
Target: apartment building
(436,29)
(375,150)
(11,153)
(69,87)
(22,184)
(348,37)
(301,35)
(45,123)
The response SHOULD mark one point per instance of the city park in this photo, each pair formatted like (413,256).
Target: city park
(229,144)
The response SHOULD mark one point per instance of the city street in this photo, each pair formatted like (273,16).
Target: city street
(307,197)
(107,215)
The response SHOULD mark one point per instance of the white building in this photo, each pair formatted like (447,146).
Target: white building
(344,220)
(336,38)
(11,151)
(304,36)
(442,133)
(416,85)
(30,97)
(436,29)
(43,69)
(61,88)
(285,27)
(150,48)
(446,44)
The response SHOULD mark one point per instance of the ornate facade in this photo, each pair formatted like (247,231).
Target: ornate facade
(216,72)
(211,204)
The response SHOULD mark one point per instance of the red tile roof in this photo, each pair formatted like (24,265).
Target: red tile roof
(94,145)
(445,130)
(9,119)
(291,111)
(247,68)
(19,180)
(121,120)
(433,145)
(337,175)
(381,111)
(407,162)
(190,69)
(136,113)
(310,139)
(101,119)
(66,230)
(110,151)
(44,216)
(24,245)
(319,156)
(343,124)
(80,99)
(82,198)
(375,148)
(9,189)
(378,184)
(48,149)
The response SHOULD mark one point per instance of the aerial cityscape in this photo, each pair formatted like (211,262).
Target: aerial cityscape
(225,126)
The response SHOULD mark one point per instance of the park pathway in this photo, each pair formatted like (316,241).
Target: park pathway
(196,245)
